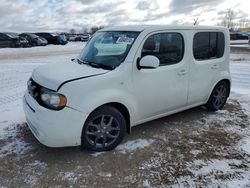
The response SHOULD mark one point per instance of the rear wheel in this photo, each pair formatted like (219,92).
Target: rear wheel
(104,129)
(218,97)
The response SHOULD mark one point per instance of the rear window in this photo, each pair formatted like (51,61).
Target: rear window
(208,45)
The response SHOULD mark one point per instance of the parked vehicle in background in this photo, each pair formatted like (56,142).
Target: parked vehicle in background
(62,39)
(239,36)
(72,38)
(126,76)
(24,42)
(53,39)
(78,38)
(34,40)
(84,37)
(12,40)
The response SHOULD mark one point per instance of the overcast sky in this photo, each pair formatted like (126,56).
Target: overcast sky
(62,15)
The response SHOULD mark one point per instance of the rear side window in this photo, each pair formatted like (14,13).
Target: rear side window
(208,45)
(167,47)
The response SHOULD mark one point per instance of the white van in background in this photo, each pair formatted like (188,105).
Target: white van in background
(126,76)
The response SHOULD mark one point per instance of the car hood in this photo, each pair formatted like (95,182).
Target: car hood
(53,76)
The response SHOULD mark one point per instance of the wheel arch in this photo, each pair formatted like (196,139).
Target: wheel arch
(122,109)
(228,83)
(226,80)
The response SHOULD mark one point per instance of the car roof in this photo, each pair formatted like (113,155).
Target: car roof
(30,34)
(140,28)
(10,33)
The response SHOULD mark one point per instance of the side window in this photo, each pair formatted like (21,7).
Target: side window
(213,45)
(201,46)
(167,47)
(208,45)
(220,45)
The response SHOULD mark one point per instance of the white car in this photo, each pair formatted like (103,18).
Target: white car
(126,76)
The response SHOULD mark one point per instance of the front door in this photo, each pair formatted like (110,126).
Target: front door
(164,89)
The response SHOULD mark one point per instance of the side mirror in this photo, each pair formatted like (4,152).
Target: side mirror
(148,62)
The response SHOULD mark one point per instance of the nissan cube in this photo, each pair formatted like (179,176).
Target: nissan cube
(126,76)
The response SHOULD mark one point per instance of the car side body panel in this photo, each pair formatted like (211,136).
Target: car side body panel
(147,94)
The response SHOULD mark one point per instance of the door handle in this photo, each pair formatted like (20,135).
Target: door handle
(214,67)
(182,72)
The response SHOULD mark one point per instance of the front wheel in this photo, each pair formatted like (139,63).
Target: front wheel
(104,129)
(218,97)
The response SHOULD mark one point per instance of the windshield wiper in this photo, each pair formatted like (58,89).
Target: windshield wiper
(96,65)
(103,66)
(81,61)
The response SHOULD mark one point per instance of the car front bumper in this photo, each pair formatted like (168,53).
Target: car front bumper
(53,128)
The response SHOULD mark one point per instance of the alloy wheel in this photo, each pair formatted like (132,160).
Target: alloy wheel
(220,96)
(102,131)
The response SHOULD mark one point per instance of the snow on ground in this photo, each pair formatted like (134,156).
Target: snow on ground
(211,169)
(247,46)
(13,84)
(15,73)
(236,42)
(244,145)
(50,48)
(241,84)
(133,145)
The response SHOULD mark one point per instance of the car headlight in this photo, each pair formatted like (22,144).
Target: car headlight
(52,100)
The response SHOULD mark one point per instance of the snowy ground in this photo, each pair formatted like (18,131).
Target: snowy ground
(40,51)
(238,42)
(194,148)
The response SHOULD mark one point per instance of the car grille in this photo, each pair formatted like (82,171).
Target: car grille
(34,89)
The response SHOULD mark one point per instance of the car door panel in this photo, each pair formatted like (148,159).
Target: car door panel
(160,90)
(204,68)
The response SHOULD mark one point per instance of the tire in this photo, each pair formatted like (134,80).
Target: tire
(218,97)
(104,129)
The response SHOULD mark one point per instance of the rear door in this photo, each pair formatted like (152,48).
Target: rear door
(208,49)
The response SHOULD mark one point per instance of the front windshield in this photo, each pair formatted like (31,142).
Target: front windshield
(108,48)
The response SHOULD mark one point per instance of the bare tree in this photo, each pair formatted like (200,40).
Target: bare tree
(85,30)
(72,31)
(228,20)
(95,28)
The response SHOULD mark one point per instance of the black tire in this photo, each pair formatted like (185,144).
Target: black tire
(218,97)
(104,129)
